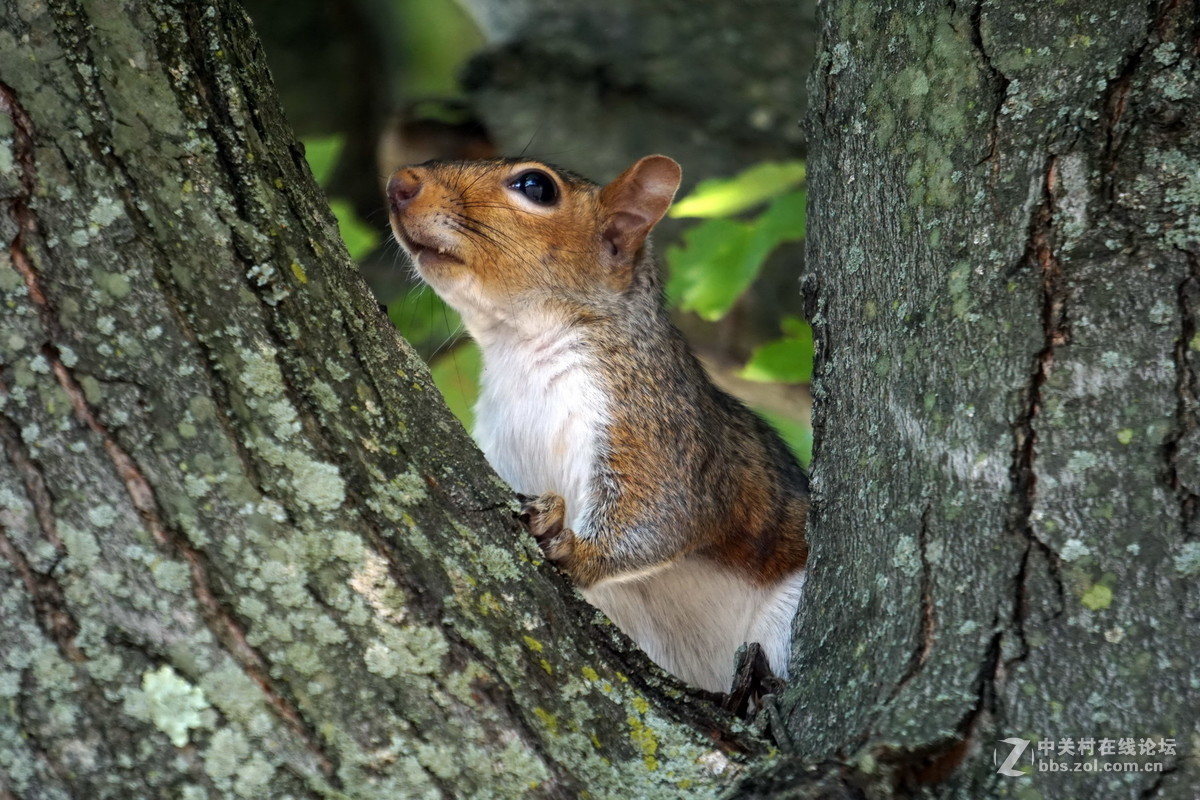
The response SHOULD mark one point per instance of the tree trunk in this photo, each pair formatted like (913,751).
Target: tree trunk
(244,550)
(1005,281)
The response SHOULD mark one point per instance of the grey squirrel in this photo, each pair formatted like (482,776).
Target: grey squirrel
(676,510)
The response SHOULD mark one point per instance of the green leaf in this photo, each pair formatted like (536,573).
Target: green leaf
(359,237)
(724,197)
(795,327)
(322,154)
(708,273)
(784,220)
(720,258)
(457,377)
(786,360)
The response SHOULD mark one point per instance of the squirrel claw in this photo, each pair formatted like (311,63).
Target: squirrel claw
(526,514)
(544,516)
(559,548)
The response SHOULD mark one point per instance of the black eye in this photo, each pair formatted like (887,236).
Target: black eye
(537,186)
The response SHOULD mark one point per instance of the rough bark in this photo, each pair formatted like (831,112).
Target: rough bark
(244,550)
(1005,275)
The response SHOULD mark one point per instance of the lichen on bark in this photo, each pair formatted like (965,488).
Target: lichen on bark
(1003,300)
(244,549)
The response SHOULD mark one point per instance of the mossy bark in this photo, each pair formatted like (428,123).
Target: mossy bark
(1005,277)
(244,550)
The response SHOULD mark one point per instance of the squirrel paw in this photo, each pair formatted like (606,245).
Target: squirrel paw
(546,518)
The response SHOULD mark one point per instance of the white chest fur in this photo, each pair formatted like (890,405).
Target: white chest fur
(539,418)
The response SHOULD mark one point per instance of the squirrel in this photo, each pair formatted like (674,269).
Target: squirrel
(676,510)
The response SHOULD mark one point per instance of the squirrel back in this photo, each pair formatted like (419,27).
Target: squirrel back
(676,510)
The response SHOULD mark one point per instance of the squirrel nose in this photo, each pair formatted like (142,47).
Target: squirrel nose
(402,188)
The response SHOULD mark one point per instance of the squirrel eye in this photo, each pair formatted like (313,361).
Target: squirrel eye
(537,186)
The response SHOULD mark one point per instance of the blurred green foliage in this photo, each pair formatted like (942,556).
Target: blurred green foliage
(797,434)
(435,37)
(785,360)
(724,197)
(322,153)
(457,376)
(721,257)
(360,238)
(424,319)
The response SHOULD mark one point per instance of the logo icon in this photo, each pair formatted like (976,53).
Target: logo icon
(1018,747)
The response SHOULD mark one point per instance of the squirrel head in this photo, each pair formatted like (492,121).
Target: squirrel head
(501,238)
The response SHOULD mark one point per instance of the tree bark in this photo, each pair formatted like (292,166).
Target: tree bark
(244,549)
(1005,276)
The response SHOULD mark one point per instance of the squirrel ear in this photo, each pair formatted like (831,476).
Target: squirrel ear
(634,203)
